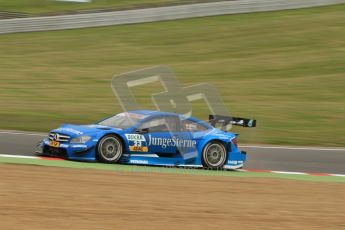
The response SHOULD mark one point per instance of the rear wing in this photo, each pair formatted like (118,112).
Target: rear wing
(216,120)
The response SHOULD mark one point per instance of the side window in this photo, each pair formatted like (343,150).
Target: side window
(160,124)
(192,126)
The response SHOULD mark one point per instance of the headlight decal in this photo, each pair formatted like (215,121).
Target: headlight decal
(80,139)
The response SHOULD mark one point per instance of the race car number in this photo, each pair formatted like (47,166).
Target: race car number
(54,144)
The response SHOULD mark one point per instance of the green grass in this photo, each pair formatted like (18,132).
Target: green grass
(286,69)
(146,169)
(39,7)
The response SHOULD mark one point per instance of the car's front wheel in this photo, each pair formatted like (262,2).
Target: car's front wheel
(214,155)
(109,149)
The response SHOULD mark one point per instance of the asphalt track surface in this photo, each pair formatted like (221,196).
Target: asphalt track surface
(280,158)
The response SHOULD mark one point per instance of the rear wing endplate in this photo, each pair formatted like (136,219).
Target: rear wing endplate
(216,120)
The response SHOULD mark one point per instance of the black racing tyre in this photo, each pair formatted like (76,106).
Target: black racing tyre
(109,149)
(214,155)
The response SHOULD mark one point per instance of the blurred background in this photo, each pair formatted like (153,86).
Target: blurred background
(284,68)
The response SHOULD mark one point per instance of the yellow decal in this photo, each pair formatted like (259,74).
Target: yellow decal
(54,144)
(138,148)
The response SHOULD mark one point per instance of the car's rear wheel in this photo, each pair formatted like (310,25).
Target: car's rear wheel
(109,149)
(214,155)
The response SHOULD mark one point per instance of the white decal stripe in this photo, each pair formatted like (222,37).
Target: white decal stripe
(233,166)
(294,173)
(143,155)
(195,166)
(19,156)
(292,148)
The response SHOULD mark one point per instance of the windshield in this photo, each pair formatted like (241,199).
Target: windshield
(122,120)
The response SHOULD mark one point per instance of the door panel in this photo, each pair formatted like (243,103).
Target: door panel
(159,132)
(161,143)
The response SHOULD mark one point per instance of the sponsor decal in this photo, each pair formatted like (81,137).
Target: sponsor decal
(54,144)
(235,162)
(240,122)
(135,137)
(171,142)
(68,130)
(250,123)
(137,143)
(138,148)
(138,162)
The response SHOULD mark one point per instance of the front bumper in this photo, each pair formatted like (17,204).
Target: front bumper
(68,151)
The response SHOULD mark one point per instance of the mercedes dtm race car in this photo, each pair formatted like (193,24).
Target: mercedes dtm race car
(146,137)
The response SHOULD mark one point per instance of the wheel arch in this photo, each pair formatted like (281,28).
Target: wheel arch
(101,136)
(226,144)
(123,142)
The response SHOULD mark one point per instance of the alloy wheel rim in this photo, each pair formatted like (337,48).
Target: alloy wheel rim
(215,155)
(110,148)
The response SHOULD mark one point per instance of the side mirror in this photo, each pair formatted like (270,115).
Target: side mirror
(142,131)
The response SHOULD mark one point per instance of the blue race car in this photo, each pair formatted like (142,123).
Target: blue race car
(146,137)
